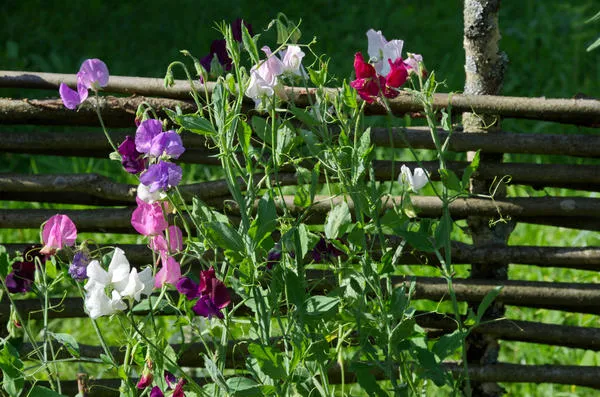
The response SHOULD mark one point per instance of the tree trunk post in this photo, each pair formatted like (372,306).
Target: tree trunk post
(484,70)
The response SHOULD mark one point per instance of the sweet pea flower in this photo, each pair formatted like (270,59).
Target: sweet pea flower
(132,160)
(149,219)
(396,77)
(145,133)
(20,279)
(367,82)
(415,181)
(78,268)
(325,251)
(161,176)
(413,63)
(166,144)
(156,392)
(169,273)
(264,78)
(121,279)
(211,293)
(143,193)
(218,48)
(59,231)
(159,242)
(291,60)
(382,51)
(93,74)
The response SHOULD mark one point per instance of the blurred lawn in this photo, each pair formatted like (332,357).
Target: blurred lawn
(545,42)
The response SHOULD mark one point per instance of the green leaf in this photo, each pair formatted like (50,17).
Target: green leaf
(319,305)
(303,116)
(266,219)
(262,129)
(417,240)
(244,135)
(349,96)
(337,221)
(487,301)
(11,366)
(215,374)
(471,168)
(366,379)
(594,45)
(450,180)
(448,344)
(67,341)
(42,391)
(241,386)
(269,360)
(225,236)
(444,228)
(196,124)
(5,267)
(250,45)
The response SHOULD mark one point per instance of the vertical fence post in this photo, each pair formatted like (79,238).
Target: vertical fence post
(484,70)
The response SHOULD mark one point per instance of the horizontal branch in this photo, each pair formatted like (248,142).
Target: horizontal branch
(577,210)
(117,112)
(498,142)
(576,111)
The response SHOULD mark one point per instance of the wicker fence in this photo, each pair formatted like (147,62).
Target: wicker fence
(489,259)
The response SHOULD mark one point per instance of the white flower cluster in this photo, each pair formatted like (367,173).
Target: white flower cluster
(121,281)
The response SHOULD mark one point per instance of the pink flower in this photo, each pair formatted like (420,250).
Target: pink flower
(148,219)
(169,273)
(264,80)
(145,380)
(58,231)
(413,61)
(159,243)
(93,74)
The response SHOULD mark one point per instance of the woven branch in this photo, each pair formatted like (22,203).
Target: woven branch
(498,142)
(94,144)
(577,210)
(576,111)
(573,297)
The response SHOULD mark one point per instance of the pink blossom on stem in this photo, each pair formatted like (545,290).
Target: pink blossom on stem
(148,219)
(58,231)
(367,82)
(169,273)
(396,77)
(159,242)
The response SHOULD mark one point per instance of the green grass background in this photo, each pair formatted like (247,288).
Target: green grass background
(545,42)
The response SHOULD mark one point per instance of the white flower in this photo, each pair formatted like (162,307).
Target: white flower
(380,51)
(292,60)
(143,193)
(264,77)
(121,280)
(416,181)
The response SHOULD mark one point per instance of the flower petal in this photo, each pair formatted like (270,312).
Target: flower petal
(69,96)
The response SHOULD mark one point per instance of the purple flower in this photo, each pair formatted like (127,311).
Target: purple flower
(156,392)
(132,160)
(78,268)
(325,251)
(212,293)
(219,47)
(161,176)
(166,143)
(170,379)
(144,134)
(236,29)
(23,273)
(93,74)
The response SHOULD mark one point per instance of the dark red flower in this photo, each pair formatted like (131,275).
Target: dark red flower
(396,77)
(23,273)
(212,294)
(367,82)
(325,251)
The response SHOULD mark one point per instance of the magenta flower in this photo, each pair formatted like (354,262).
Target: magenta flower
(148,219)
(211,293)
(161,176)
(159,242)
(156,392)
(169,273)
(132,160)
(59,231)
(93,74)
(367,82)
(145,380)
(396,77)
